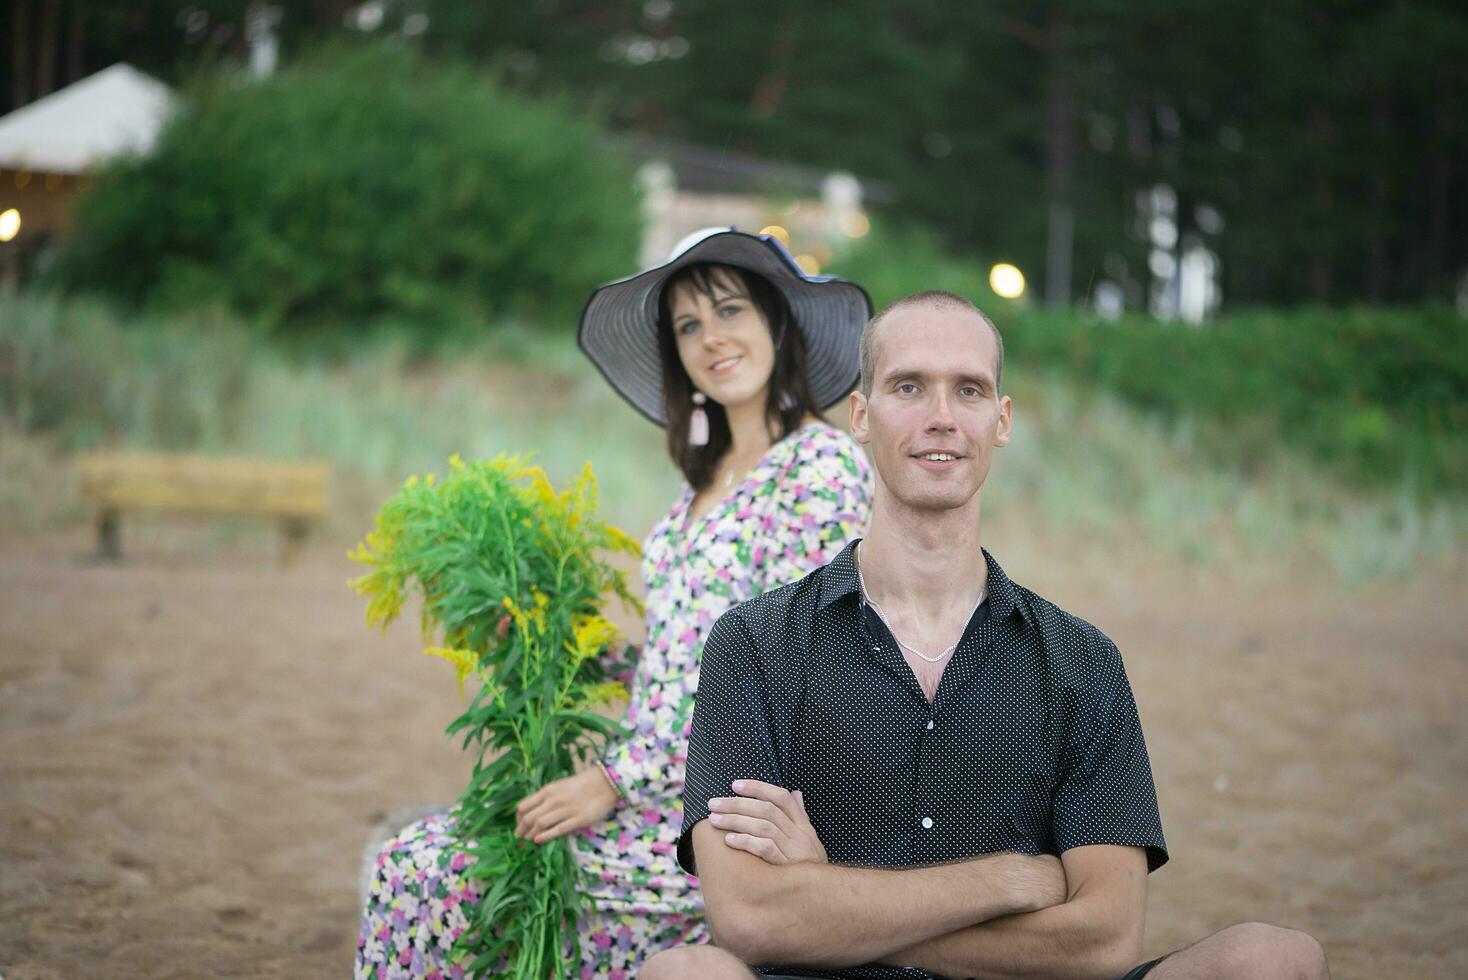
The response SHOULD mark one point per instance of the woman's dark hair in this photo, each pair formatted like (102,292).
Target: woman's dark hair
(789,400)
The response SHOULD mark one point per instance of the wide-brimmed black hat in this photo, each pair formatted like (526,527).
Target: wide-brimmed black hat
(619,326)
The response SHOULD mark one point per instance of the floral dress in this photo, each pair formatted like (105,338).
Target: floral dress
(793,512)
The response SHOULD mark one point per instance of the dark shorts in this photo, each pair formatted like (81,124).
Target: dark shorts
(1135,973)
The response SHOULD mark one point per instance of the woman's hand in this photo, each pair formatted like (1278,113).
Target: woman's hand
(767,821)
(565,806)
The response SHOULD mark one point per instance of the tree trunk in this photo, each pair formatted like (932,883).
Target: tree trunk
(1059,168)
(1318,268)
(1138,133)
(770,89)
(1439,199)
(76,40)
(1377,256)
(46,50)
(330,14)
(20,53)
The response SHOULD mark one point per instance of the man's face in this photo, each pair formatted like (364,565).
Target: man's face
(934,415)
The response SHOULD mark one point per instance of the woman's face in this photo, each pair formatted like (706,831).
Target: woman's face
(723,340)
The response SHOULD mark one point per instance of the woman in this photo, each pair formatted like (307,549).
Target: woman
(733,349)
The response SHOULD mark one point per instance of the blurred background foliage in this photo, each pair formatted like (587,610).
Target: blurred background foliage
(1325,133)
(1314,145)
(1085,457)
(299,203)
(1377,395)
(377,255)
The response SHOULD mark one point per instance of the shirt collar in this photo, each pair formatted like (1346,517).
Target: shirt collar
(839,579)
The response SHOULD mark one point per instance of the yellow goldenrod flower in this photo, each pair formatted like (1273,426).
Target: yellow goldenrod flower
(603,695)
(540,486)
(622,541)
(591,635)
(465,662)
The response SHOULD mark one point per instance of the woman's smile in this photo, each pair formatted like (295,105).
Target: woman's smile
(725,365)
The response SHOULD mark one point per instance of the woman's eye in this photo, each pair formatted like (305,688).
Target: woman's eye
(688,326)
(729,310)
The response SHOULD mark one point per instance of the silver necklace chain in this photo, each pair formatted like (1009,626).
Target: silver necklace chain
(861,583)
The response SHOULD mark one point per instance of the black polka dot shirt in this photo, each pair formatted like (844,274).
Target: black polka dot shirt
(1032,742)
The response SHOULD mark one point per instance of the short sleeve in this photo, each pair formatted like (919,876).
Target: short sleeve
(1106,794)
(731,734)
(647,765)
(822,501)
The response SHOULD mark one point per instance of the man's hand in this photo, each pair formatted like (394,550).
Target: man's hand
(767,821)
(565,806)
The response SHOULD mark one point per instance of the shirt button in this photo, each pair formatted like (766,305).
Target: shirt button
(927,823)
(930,724)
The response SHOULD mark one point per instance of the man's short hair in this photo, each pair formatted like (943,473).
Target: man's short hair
(937,299)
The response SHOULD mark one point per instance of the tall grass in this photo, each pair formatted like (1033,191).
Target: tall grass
(74,377)
(1086,460)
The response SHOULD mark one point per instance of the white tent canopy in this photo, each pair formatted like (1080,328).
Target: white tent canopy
(118,110)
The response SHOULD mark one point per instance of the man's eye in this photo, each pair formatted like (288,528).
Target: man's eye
(907,388)
(969,391)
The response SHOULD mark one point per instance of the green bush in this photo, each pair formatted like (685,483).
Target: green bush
(361,184)
(1378,396)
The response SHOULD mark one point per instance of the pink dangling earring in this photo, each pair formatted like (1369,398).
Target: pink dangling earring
(698,424)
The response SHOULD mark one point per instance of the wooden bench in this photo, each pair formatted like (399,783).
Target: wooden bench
(294,492)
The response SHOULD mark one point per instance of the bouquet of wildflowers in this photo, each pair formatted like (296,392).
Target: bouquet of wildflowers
(513,577)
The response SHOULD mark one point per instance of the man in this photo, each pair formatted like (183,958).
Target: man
(887,756)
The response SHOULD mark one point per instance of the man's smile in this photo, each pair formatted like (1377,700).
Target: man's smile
(939,459)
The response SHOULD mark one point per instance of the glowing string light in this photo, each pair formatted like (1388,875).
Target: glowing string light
(1007,281)
(856,225)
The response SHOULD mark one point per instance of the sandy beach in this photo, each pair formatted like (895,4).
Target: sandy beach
(194,746)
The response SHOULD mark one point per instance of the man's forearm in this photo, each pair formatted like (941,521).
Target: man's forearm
(1087,937)
(826,915)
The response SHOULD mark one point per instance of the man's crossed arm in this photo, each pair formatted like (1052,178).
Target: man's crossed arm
(771,899)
